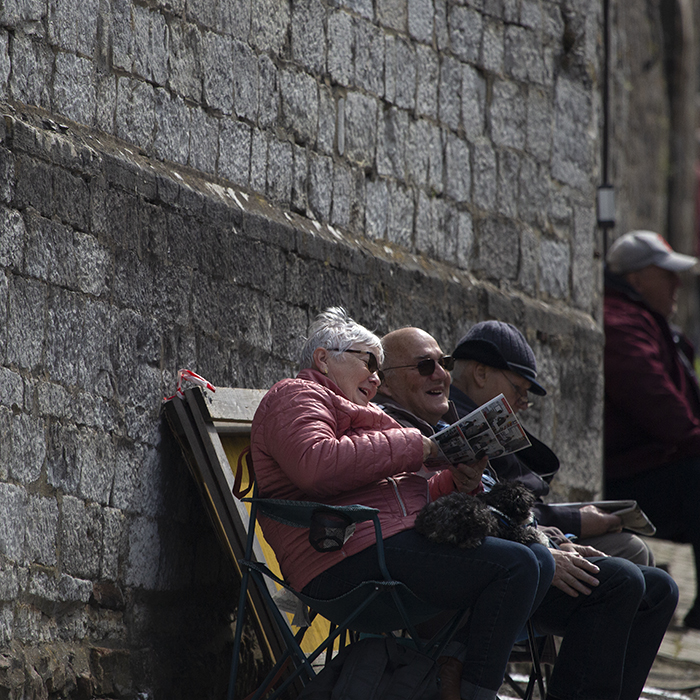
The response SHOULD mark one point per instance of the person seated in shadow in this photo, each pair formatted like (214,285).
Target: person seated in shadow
(318,437)
(610,613)
(495,358)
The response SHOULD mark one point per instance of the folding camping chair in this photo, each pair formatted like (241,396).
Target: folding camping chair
(375,607)
(212,429)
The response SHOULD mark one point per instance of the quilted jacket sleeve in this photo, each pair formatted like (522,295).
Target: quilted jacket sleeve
(326,445)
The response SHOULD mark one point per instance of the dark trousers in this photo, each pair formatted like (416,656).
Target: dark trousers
(669,496)
(610,637)
(500,581)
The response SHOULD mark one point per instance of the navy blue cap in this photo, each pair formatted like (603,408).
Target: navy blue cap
(503,346)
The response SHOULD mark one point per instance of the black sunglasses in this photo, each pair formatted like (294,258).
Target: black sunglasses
(372,364)
(427,367)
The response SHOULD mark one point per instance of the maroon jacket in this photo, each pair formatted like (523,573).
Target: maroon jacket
(652,406)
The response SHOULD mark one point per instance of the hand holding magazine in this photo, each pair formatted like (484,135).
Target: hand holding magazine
(492,430)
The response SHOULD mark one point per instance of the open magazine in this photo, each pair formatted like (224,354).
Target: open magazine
(492,430)
(632,516)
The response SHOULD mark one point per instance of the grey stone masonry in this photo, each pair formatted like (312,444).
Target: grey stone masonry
(117,270)
(414,94)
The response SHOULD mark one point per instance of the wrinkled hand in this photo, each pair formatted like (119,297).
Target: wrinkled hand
(595,522)
(573,573)
(468,476)
(583,549)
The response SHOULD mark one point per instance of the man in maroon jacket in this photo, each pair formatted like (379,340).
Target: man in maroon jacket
(652,401)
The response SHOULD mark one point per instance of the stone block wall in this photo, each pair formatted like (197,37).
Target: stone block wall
(185,184)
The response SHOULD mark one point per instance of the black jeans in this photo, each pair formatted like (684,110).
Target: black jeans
(500,581)
(610,637)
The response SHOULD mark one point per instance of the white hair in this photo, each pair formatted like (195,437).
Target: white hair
(336,331)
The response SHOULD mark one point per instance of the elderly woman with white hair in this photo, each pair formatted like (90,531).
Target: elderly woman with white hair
(317,437)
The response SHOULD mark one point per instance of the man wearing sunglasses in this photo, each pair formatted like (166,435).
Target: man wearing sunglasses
(612,613)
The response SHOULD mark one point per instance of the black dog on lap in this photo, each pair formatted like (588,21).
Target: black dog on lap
(464,520)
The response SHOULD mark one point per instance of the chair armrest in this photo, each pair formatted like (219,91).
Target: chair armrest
(298,513)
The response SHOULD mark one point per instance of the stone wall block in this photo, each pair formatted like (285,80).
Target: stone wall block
(320,185)
(425,168)
(342,196)
(499,249)
(42,530)
(279,172)
(62,456)
(584,280)
(32,62)
(11,389)
(376,209)
(465,240)
(341,47)
(34,186)
(539,123)
(555,268)
(524,55)
(450,96)
(492,47)
(204,141)
(81,537)
(28,448)
(369,57)
(204,12)
(235,142)
(300,174)
(508,183)
(457,168)
(465,28)
(529,260)
(13,509)
(185,72)
(121,36)
(245,81)
(508,115)
(420,20)
(95,462)
(401,212)
(360,7)
(72,25)
(360,128)
(151,45)
(393,14)
(218,77)
(135,113)
(258,159)
(572,156)
(484,170)
(270,25)
(26,306)
(74,94)
(12,239)
(7,176)
(327,118)
(405,69)
(308,35)
(428,74)
(299,93)
(535,192)
(172,127)
(473,102)
(23,12)
(269,92)
(392,134)
(72,200)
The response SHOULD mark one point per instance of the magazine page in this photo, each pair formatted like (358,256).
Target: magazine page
(492,430)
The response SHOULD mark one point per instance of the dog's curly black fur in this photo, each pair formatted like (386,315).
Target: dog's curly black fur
(464,520)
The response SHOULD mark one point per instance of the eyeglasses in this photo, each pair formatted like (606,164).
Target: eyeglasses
(427,367)
(520,392)
(372,364)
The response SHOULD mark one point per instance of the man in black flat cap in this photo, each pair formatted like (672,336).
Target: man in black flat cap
(494,358)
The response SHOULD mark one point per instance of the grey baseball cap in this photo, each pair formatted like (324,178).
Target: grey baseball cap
(638,249)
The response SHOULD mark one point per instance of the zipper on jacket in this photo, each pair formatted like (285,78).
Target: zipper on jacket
(395,486)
